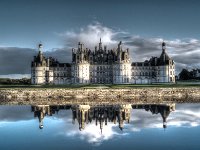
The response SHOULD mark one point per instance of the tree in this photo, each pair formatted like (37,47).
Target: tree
(184,75)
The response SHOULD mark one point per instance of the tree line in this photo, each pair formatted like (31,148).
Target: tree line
(8,81)
(185,74)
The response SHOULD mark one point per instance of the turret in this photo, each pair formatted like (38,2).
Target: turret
(165,113)
(40,112)
(41,117)
(40,46)
(163,46)
(73,55)
(105,48)
(127,50)
(39,60)
(164,58)
(119,46)
(79,46)
(119,50)
(40,52)
(100,45)
(48,62)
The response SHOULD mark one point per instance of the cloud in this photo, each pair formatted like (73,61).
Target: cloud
(61,54)
(90,36)
(185,52)
(16,62)
(15,76)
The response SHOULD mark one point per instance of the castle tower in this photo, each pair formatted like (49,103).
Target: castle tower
(165,113)
(80,112)
(40,69)
(40,111)
(166,69)
(80,66)
(122,67)
(119,51)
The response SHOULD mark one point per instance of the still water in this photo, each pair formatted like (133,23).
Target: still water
(150,126)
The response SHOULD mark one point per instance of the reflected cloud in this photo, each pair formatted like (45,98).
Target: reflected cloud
(93,135)
(97,123)
(15,113)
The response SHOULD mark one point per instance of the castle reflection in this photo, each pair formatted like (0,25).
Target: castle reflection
(102,114)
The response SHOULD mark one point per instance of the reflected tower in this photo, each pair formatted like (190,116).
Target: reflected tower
(41,111)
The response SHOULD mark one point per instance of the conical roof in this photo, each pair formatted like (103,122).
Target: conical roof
(164,58)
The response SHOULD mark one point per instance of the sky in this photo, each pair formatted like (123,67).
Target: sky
(141,25)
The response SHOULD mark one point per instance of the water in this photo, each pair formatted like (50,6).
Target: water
(168,127)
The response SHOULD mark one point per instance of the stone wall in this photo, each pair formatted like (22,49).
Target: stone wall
(103,94)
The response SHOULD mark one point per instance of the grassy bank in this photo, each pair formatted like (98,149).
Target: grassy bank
(114,86)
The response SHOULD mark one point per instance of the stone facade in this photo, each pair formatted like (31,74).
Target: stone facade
(102,66)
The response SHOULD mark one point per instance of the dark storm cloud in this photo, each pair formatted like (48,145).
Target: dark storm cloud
(14,60)
(184,52)
(61,54)
(143,49)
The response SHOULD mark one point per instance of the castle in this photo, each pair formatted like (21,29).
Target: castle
(102,114)
(102,66)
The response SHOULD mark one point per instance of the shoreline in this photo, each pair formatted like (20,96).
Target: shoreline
(107,95)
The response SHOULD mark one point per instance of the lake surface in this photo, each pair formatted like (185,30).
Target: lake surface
(164,126)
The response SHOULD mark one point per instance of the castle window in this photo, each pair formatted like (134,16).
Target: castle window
(101,68)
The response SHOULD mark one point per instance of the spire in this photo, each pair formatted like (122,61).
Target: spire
(40,46)
(41,117)
(119,51)
(163,46)
(120,46)
(40,55)
(100,45)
